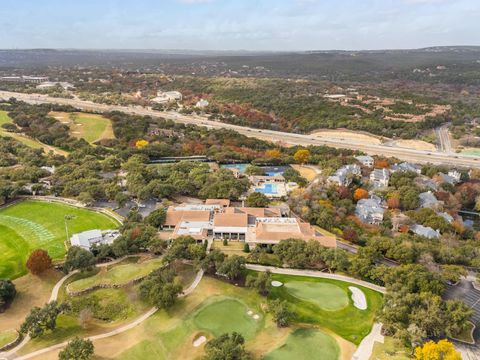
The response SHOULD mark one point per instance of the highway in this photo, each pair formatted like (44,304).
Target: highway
(404,154)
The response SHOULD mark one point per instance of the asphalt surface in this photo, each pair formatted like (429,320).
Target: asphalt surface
(404,154)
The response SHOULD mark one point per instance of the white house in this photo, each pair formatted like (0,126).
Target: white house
(89,238)
(202,104)
(370,211)
(365,160)
(380,177)
(167,97)
(343,176)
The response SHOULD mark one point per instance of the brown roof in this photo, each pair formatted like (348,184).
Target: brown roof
(257,212)
(174,217)
(231,220)
(276,232)
(221,202)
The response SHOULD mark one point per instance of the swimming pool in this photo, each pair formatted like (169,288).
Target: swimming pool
(267,189)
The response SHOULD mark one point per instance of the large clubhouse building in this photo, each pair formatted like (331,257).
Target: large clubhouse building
(216,219)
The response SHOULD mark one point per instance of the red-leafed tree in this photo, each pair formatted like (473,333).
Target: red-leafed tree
(39,261)
(350,235)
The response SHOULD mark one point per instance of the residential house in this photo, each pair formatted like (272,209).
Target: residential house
(202,103)
(365,160)
(344,175)
(428,200)
(425,231)
(167,97)
(370,211)
(380,178)
(406,167)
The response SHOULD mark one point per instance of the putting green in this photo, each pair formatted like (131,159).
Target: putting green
(326,296)
(30,225)
(225,316)
(117,275)
(309,344)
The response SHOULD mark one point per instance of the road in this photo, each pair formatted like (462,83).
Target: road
(443,139)
(417,156)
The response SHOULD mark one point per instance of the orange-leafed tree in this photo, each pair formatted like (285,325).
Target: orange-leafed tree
(393,202)
(360,194)
(39,261)
(381,164)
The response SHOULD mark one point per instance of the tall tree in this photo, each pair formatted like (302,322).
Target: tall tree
(77,349)
(39,261)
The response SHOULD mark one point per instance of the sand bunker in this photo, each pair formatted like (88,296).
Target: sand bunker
(358,297)
(199,341)
(276,283)
(256,316)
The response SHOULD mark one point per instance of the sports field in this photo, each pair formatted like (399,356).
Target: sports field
(312,344)
(90,127)
(30,225)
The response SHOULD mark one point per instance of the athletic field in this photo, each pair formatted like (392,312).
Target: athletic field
(30,225)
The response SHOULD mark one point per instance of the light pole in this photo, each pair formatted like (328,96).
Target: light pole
(65,219)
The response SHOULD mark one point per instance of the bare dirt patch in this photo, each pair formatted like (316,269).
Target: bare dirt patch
(415,144)
(349,135)
(307,172)
(31,291)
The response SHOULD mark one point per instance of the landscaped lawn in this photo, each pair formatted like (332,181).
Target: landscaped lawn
(6,337)
(326,296)
(90,127)
(311,344)
(30,225)
(117,275)
(227,315)
(349,322)
(391,349)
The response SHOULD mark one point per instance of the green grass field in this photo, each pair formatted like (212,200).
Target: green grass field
(117,275)
(326,296)
(349,322)
(6,337)
(309,344)
(29,225)
(90,127)
(226,315)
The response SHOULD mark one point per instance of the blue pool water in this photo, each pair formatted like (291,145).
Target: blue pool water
(267,189)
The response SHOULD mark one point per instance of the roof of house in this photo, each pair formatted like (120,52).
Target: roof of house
(174,217)
(427,199)
(364,158)
(257,212)
(221,202)
(271,230)
(425,231)
(231,220)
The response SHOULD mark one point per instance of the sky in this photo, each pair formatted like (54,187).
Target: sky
(238,24)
